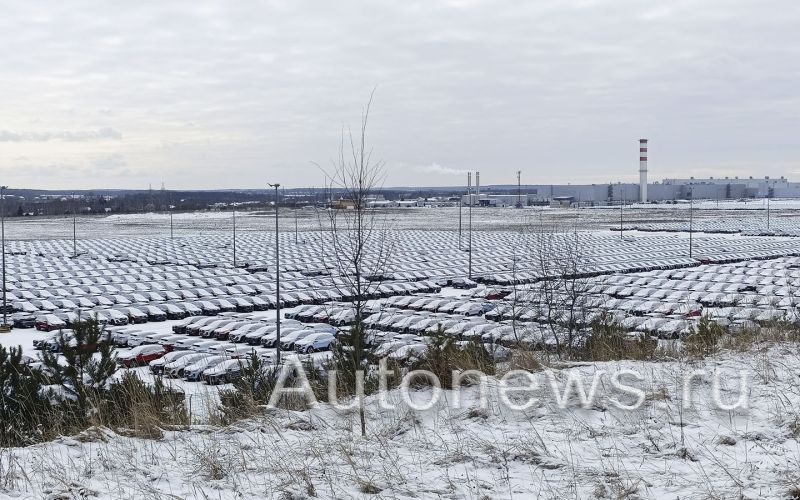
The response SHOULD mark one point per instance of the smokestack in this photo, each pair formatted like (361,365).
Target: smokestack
(643,170)
(478,184)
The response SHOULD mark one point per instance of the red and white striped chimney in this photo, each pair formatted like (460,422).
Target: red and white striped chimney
(643,170)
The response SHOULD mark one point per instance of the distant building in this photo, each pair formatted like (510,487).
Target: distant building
(562,201)
(342,204)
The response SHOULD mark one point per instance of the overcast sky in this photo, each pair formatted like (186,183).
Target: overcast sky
(234,94)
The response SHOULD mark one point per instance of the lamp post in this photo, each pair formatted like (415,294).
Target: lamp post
(691,217)
(767,212)
(74,227)
(295,220)
(459,221)
(4,326)
(621,204)
(469,196)
(234,235)
(277,281)
(171,232)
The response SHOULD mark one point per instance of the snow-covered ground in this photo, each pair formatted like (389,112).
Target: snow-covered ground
(668,448)
(440,218)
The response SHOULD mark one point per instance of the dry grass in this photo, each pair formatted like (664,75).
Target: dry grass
(523,359)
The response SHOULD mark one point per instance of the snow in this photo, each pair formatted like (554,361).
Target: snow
(545,451)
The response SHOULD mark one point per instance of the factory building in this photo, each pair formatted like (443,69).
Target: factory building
(668,190)
(560,195)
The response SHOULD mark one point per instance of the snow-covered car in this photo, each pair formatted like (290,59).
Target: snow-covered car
(157,365)
(175,368)
(141,355)
(225,372)
(194,371)
(317,342)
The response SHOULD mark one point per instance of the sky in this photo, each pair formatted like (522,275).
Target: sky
(235,94)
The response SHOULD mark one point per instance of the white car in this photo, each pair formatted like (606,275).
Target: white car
(317,342)
(187,343)
(409,352)
(194,372)
(225,372)
(176,367)
(387,348)
(287,341)
(137,338)
(203,346)
(120,337)
(157,365)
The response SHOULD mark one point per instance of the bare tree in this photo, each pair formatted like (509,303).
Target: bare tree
(358,246)
(561,295)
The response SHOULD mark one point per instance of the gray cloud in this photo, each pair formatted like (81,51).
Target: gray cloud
(561,90)
(69,136)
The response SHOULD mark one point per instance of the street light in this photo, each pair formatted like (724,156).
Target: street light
(171,232)
(767,211)
(4,326)
(234,234)
(74,227)
(469,196)
(460,197)
(277,281)
(691,217)
(621,204)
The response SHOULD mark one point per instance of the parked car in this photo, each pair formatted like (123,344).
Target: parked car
(288,340)
(194,372)
(141,355)
(135,315)
(317,342)
(116,317)
(225,372)
(154,313)
(120,337)
(172,311)
(49,322)
(157,365)
(175,368)
(24,321)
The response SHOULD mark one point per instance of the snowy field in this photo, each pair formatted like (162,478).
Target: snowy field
(752,214)
(669,448)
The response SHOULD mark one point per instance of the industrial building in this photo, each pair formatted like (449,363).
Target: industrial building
(667,190)
(560,195)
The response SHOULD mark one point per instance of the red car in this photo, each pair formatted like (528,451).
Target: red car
(141,355)
(49,322)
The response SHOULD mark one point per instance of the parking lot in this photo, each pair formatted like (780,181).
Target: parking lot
(184,296)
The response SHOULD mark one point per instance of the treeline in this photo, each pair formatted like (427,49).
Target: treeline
(26,203)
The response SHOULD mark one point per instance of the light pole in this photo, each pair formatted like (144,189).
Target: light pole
(234,235)
(469,196)
(277,281)
(295,220)
(767,212)
(74,227)
(621,204)
(459,221)
(4,326)
(171,232)
(691,217)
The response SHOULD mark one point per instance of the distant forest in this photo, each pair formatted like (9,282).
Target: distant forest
(28,203)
